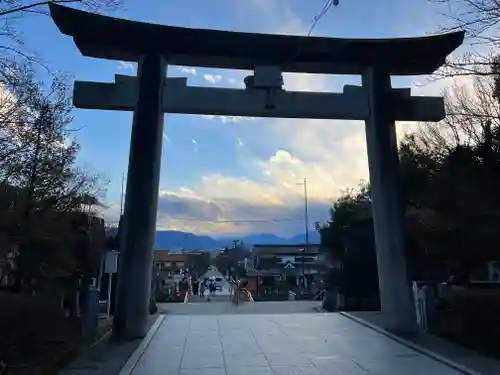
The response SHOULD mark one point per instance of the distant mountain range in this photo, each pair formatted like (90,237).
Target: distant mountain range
(173,240)
(176,241)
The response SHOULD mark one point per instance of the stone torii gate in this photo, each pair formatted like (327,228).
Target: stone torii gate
(151,94)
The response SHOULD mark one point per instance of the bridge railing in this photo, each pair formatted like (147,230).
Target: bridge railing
(236,296)
(319,295)
(248,294)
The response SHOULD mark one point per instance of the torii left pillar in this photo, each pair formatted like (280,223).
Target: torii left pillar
(141,201)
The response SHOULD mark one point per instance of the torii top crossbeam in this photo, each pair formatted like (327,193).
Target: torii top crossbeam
(113,38)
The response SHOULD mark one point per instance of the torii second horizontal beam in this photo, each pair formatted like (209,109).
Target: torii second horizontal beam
(179,98)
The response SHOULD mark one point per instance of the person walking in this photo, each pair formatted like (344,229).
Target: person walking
(202,289)
(212,287)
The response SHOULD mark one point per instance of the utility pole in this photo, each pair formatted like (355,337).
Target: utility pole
(306,219)
(306,224)
(121,197)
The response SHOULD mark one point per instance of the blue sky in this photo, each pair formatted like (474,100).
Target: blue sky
(224,169)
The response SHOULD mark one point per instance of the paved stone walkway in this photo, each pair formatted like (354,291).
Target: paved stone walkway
(222,308)
(457,354)
(105,358)
(278,344)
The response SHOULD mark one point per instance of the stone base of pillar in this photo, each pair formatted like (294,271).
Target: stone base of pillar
(400,322)
(133,329)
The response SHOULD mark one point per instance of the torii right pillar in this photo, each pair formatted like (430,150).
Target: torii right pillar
(387,204)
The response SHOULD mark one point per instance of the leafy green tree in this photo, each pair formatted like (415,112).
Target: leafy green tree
(40,183)
(350,207)
(199,263)
(450,177)
(229,261)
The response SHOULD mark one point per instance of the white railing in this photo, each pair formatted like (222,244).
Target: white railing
(235,297)
(494,271)
(421,294)
(319,294)
(248,294)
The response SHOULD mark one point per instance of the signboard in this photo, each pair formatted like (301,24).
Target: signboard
(111,262)
(285,259)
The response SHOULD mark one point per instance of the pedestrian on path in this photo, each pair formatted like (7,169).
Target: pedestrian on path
(202,289)
(212,287)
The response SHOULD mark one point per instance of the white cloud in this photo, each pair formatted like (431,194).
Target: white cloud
(127,66)
(233,119)
(228,119)
(186,70)
(186,210)
(195,144)
(212,78)
(208,117)
(221,204)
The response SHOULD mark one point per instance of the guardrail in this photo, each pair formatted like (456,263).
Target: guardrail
(319,295)
(248,294)
(236,296)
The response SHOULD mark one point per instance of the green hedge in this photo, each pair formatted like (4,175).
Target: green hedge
(475,317)
(35,336)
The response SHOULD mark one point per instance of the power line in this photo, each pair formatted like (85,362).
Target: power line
(235,221)
(326,8)
(225,221)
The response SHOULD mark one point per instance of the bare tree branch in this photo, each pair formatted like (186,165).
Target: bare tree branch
(25,7)
(468,108)
(480,19)
(13,13)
